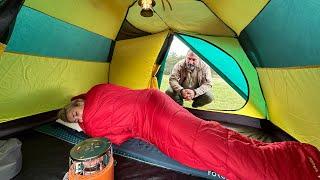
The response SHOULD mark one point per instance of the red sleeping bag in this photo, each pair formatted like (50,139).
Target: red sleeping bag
(118,114)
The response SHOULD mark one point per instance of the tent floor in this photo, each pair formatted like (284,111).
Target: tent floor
(45,157)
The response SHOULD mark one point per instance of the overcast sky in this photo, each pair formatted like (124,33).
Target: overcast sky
(178,47)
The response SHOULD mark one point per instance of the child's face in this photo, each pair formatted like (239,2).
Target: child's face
(74,114)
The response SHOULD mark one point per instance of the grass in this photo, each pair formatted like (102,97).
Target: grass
(225,98)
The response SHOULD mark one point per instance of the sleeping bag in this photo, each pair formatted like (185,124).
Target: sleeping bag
(119,113)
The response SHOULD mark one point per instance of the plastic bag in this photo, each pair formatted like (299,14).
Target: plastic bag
(10,158)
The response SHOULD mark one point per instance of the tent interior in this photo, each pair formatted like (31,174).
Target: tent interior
(265,51)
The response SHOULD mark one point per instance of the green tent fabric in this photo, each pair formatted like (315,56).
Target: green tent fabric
(221,62)
(36,33)
(285,34)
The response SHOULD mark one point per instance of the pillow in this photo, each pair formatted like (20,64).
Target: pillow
(74,126)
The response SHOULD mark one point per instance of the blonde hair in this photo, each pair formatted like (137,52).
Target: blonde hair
(62,114)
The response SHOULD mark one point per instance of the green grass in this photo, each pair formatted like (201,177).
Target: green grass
(225,98)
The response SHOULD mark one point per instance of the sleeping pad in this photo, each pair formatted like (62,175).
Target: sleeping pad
(119,113)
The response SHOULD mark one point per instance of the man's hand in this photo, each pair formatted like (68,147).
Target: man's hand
(184,93)
(188,94)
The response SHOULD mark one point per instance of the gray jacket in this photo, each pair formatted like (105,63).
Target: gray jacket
(179,74)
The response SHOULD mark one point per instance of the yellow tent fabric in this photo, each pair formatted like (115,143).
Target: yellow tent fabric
(99,16)
(232,46)
(185,16)
(292,96)
(31,85)
(152,24)
(133,60)
(154,80)
(236,13)
(2,47)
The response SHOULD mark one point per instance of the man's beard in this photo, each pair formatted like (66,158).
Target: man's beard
(190,67)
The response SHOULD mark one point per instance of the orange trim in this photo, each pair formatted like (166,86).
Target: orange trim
(106,174)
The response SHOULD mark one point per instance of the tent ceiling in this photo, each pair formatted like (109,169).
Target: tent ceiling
(237,14)
(186,16)
(98,16)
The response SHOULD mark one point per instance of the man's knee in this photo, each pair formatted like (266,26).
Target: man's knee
(208,97)
(203,100)
(170,92)
(175,96)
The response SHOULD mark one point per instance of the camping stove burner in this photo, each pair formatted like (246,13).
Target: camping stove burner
(91,158)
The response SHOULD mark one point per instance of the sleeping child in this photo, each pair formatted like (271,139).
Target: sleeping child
(119,113)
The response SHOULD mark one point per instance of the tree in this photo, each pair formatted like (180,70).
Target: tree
(171,60)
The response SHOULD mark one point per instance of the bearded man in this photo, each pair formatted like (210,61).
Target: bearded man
(191,80)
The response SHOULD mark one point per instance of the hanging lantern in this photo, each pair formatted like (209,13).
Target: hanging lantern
(146,7)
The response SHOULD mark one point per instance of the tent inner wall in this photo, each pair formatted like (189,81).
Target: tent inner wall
(292,95)
(2,47)
(285,34)
(286,52)
(95,16)
(39,34)
(33,84)
(50,57)
(236,14)
(134,60)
